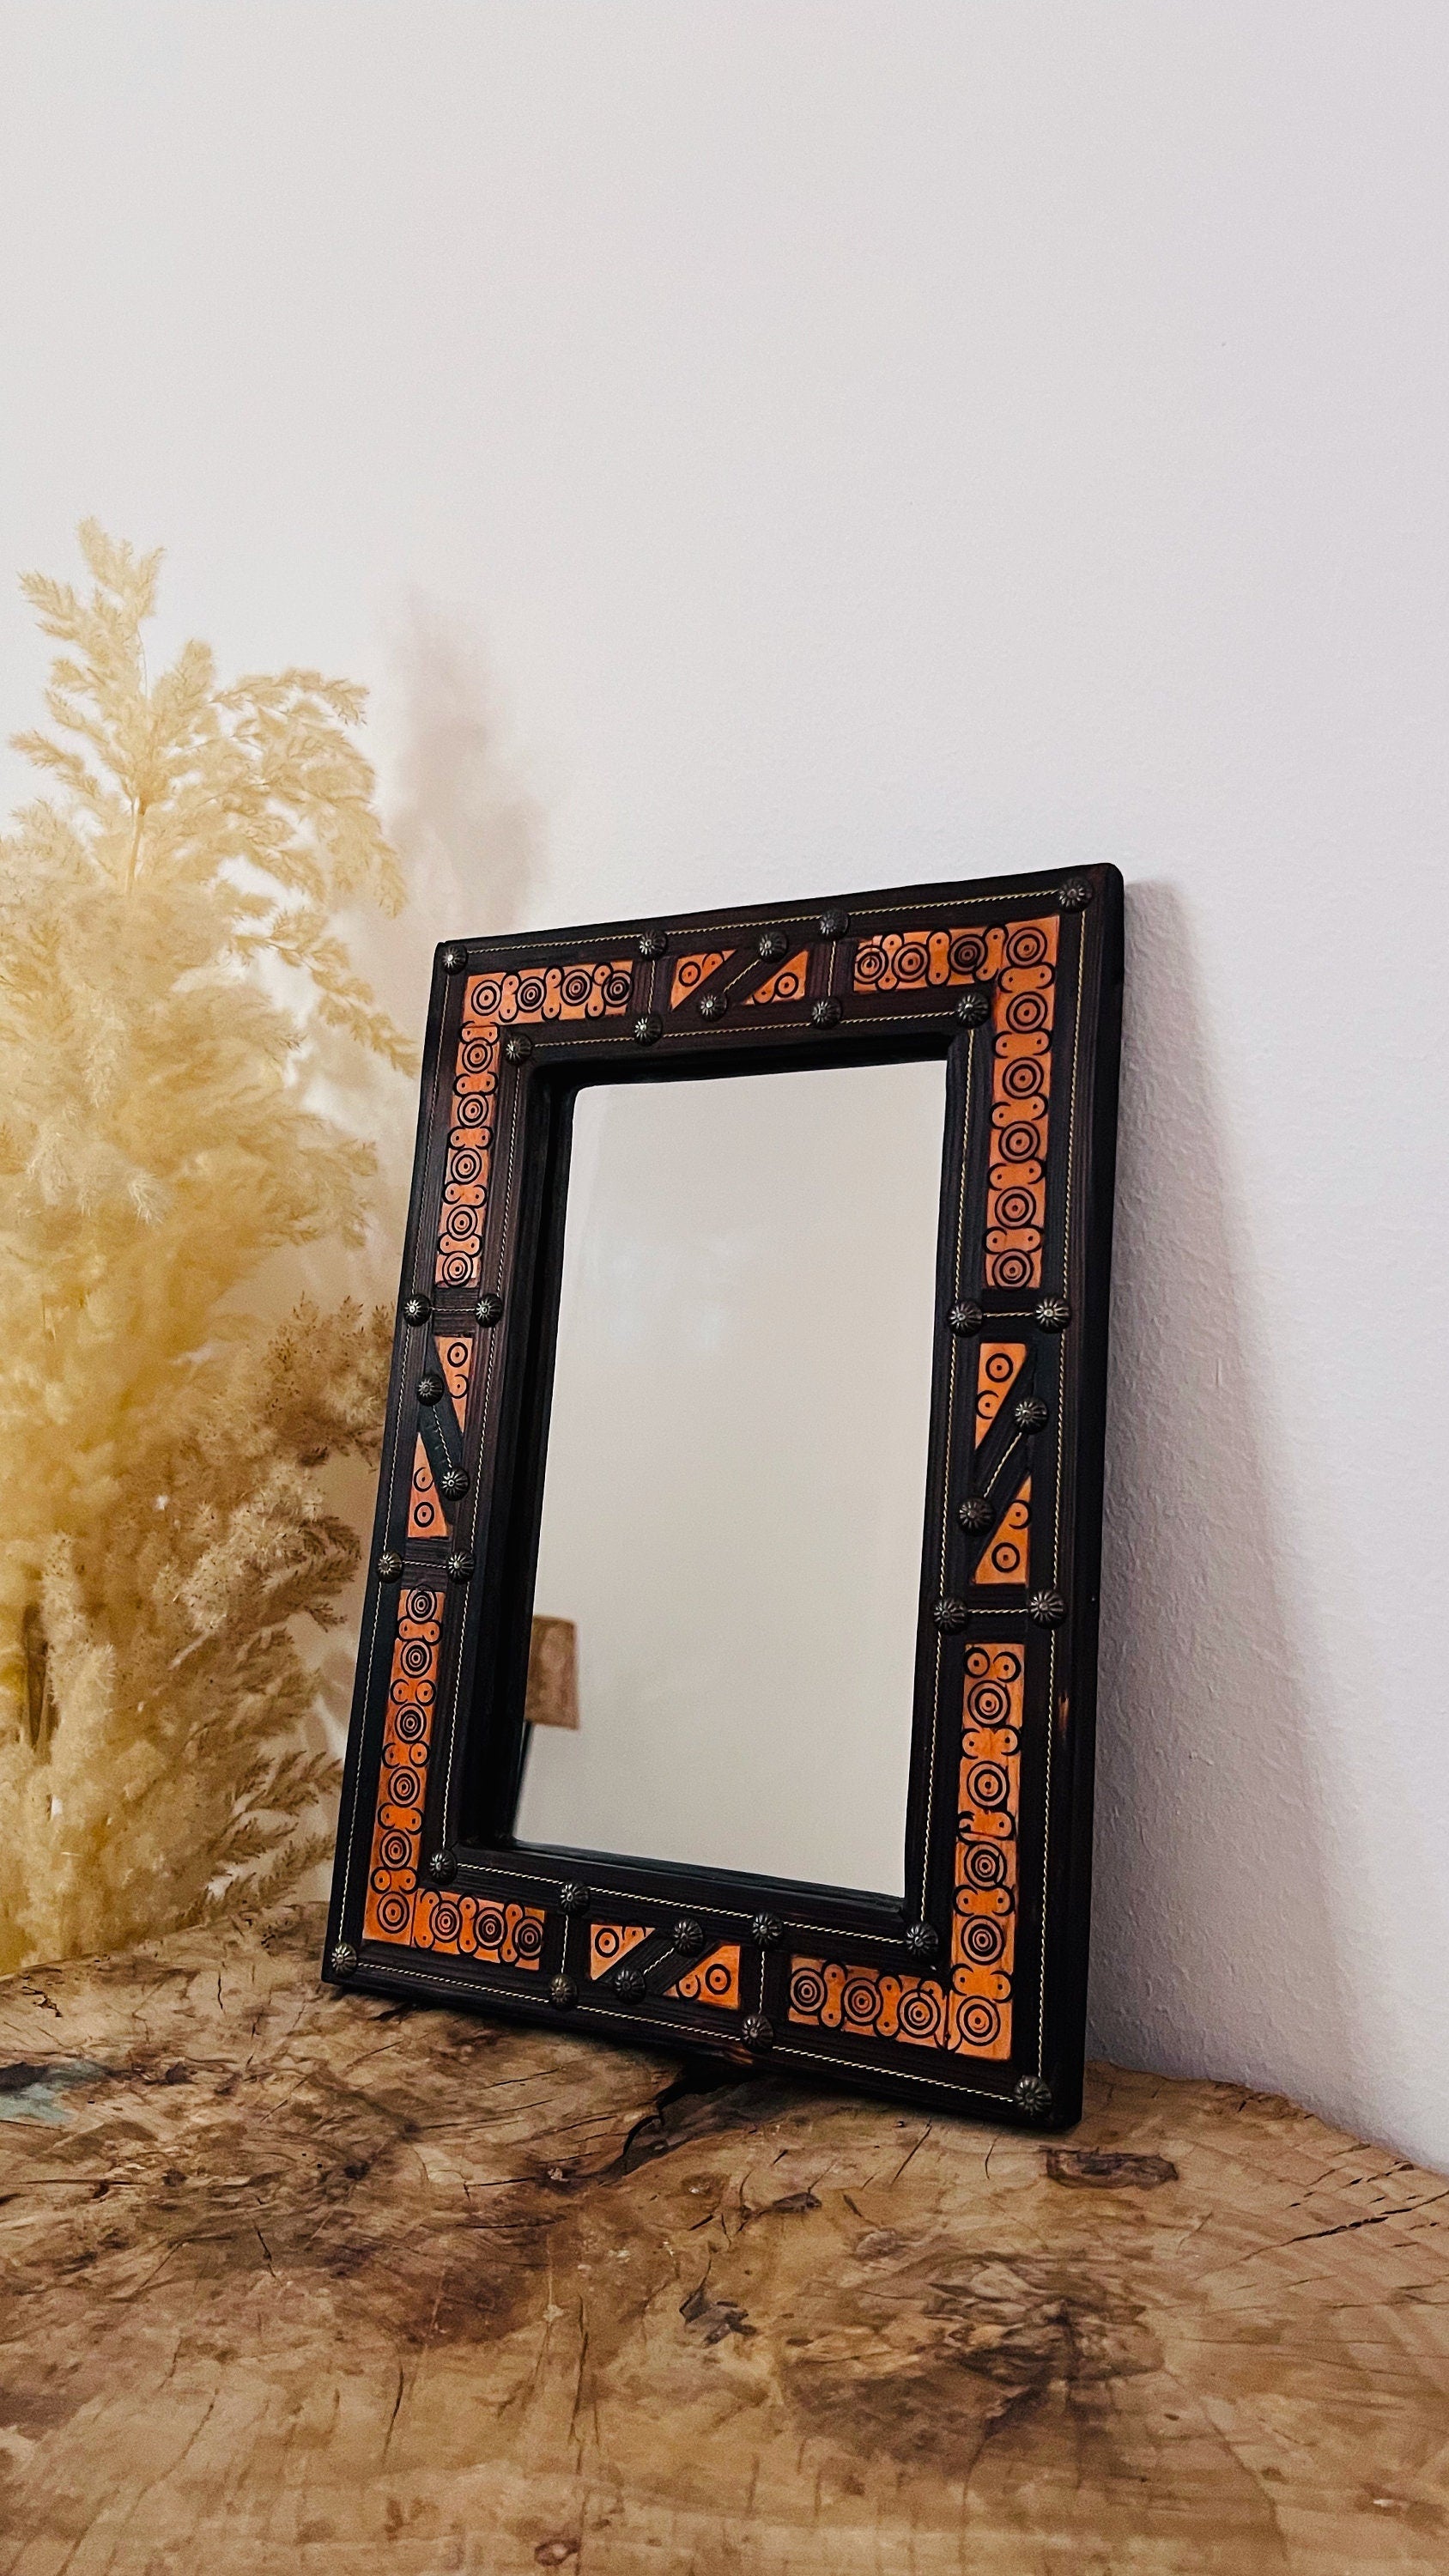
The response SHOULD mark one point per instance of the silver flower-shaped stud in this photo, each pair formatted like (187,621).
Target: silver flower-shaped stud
(1033,2097)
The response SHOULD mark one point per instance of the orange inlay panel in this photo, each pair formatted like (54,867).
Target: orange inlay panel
(611,1942)
(1003,1559)
(407,1731)
(470,1927)
(455,1358)
(983,1931)
(396,1908)
(787,984)
(714,1979)
(971,2014)
(1020,1087)
(580,992)
(470,1152)
(871,2003)
(690,972)
(585,991)
(910,961)
(1019,958)
(426,1516)
(998,1366)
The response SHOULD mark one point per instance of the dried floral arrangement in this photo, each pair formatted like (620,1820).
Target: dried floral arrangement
(169,966)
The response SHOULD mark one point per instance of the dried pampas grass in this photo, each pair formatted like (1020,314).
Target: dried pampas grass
(168,961)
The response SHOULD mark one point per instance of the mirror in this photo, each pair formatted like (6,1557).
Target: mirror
(736,1468)
(728,1662)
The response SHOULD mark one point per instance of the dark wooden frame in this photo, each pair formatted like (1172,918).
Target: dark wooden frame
(972,1994)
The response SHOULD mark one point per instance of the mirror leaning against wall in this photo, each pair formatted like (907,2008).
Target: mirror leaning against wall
(728,1666)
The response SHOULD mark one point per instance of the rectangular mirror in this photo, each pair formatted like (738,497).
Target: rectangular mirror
(736,1470)
(728,1668)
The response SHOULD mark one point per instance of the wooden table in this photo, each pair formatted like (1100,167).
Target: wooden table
(309,2283)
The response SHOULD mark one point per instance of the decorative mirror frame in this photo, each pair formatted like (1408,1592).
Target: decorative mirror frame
(971,1994)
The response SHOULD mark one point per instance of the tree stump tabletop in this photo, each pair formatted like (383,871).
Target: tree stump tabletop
(305,2282)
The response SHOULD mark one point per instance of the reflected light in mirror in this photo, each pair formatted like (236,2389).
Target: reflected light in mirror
(735,1484)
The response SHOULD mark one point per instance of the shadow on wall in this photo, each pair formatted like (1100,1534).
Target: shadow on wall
(470,833)
(1213,1942)
(471,839)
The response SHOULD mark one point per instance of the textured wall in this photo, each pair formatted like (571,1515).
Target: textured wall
(877,441)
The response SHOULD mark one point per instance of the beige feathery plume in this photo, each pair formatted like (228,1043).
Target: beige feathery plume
(161,1520)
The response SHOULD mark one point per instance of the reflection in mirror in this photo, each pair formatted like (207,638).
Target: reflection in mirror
(735,1481)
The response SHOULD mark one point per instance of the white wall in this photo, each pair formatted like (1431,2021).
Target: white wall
(873,440)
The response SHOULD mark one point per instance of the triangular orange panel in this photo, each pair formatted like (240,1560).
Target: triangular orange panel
(455,1358)
(691,972)
(714,1979)
(787,984)
(998,1367)
(426,1517)
(1003,1559)
(611,1942)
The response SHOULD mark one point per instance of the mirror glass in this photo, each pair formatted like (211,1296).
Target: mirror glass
(735,1481)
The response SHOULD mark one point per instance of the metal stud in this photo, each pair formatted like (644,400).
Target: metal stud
(417,1310)
(489,1309)
(344,1959)
(1075,895)
(441,1864)
(1048,1609)
(573,1896)
(687,1935)
(563,1993)
(772,943)
(758,2033)
(923,1941)
(518,1048)
(389,1566)
(767,1931)
(834,925)
(950,1617)
(1031,1414)
(966,1318)
(460,1566)
(455,1484)
(976,1513)
(628,1982)
(647,1028)
(652,943)
(452,960)
(712,1006)
(431,1390)
(973,1008)
(825,1015)
(1033,2097)
(1053,1314)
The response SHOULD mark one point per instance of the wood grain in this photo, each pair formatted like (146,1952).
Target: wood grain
(302,2282)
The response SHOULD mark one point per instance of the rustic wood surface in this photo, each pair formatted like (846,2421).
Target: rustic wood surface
(310,2283)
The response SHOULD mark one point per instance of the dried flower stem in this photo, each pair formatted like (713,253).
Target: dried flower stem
(161,1520)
